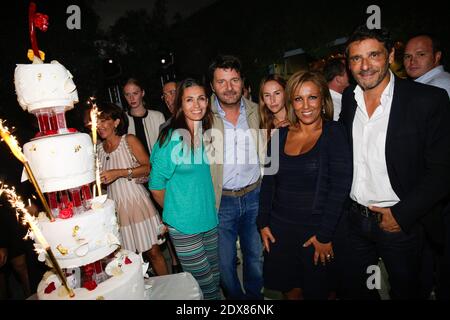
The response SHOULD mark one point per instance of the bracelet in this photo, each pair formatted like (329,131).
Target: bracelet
(130,173)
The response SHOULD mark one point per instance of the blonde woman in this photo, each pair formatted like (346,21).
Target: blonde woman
(301,204)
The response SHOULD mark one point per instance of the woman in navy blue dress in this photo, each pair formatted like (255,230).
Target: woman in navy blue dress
(301,204)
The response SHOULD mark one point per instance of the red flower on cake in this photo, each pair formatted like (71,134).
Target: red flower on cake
(90,285)
(128,261)
(50,288)
(65,213)
(41,21)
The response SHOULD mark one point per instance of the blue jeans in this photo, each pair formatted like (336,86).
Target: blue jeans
(237,217)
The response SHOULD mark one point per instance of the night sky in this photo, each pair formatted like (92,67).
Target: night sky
(110,10)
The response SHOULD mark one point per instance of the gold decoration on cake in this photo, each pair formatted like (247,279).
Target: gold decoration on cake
(77,148)
(100,298)
(75,231)
(116,271)
(62,292)
(30,55)
(33,148)
(39,76)
(62,250)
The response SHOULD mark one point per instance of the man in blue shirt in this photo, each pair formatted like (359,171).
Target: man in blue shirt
(236,173)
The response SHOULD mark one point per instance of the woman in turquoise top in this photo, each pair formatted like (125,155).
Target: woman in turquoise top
(180,181)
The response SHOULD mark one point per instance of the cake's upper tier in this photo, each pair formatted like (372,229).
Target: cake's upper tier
(61,162)
(44,85)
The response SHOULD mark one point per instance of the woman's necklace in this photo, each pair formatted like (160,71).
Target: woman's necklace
(109,148)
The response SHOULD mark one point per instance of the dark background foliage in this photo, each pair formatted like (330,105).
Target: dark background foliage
(259,32)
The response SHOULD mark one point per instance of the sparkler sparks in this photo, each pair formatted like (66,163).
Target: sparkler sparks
(11,141)
(94,117)
(17,203)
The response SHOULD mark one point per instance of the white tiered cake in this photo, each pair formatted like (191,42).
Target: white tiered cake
(84,236)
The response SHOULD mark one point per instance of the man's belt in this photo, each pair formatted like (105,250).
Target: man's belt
(365,211)
(242,191)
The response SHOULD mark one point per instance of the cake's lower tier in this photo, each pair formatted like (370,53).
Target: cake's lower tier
(83,238)
(126,282)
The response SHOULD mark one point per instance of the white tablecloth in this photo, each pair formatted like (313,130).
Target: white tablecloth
(180,286)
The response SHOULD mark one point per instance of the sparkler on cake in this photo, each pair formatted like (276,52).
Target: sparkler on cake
(83,239)
(17,203)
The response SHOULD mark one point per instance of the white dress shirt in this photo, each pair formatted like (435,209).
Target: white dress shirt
(436,77)
(337,100)
(371,184)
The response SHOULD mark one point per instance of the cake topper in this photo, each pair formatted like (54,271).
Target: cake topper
(40,21)
(46,90)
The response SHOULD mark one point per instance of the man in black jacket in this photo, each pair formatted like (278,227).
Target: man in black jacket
(399,132)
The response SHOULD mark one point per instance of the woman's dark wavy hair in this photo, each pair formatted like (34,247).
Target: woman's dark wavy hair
(178,120)
(110,111)
(363,32)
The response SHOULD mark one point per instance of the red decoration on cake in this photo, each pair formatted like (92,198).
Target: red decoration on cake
(128,261)
(65,213)
(89,282)
(98,267)
(65,209)
(50,288)
(86,195)
(39,21)
(90,285)
(52,121)
(75,195)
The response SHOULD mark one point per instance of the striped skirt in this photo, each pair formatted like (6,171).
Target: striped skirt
(199,255)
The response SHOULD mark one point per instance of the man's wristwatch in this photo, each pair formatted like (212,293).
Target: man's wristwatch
(130,173)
